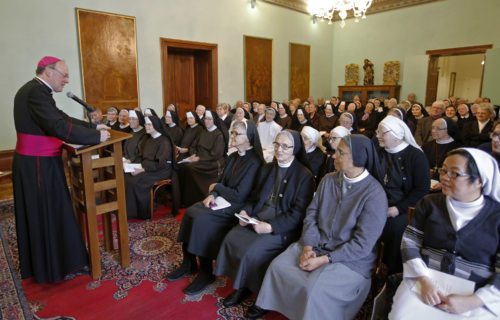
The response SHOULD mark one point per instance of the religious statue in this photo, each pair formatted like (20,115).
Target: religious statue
(351,74)
(391,73)
(368,67)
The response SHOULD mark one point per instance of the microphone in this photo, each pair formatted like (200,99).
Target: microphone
(88,107)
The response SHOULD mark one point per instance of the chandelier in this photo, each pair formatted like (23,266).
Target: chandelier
(325,9)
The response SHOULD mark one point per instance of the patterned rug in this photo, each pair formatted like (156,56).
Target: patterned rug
(13,302)
(136,292)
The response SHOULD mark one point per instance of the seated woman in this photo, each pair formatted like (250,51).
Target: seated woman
(190,135)
(443,131)
(314,155)
(158,161)
(333,141)
(300,119)
(455,232)
(132,148)
(406,180)
(283,192)
(204,226)
(327,274)
(328,120)
(417,113)
(206,162)
(367,123)
(124,125)
(173,128)
(284,118)
(347,120)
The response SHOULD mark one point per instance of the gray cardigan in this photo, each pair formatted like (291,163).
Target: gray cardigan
(346,224)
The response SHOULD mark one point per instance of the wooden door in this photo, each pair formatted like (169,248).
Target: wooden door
(181,81)
(432,80)
(202,79)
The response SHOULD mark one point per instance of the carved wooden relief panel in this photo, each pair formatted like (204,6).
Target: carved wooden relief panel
(108,56)
(300,69)
(258,69)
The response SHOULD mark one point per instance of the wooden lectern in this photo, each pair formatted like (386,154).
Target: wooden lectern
(100,178)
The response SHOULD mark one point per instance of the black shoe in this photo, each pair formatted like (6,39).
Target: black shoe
(236,297)
(199,283)
(255,312)
(183,270)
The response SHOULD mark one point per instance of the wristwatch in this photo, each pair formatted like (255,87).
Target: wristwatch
(329,258)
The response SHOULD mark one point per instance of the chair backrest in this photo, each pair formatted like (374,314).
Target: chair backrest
(411,212)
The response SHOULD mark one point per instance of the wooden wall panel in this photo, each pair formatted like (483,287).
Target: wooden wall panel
(300,71)
(258,69)
(108,56)
(181,77)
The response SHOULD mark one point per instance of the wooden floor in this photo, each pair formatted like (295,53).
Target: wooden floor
(6,188)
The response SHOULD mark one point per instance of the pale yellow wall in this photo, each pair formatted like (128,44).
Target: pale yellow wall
(468,71)
(406,34)
(30,29)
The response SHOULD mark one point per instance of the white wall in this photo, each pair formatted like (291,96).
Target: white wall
(31,29)
(406,34)
(468,71)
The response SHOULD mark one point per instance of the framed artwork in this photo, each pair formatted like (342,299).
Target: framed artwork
(258,69)
(300,68)
(108,59)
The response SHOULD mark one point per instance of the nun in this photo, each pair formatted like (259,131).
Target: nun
(204,225)
(327,274)
(314,155)
(333,141)
(328,120)
(300,119)
(132,148)
(406,179)
(206,162)
(193,130)
(173,128)
(284,118)
(158,162)
(278,204)
(456,232)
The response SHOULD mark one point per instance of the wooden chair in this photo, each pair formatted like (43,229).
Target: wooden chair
(152,192)
(411,213)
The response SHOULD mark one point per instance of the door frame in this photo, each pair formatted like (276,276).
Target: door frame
(436,54)
(167,44)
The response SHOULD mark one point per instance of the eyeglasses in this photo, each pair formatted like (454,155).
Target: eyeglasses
(494,135)
(236,133)
(64,75)
(437,128)
(451,174)
(381,133)
(283,146)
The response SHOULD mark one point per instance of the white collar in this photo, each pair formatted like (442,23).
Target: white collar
(45,82)
(155,134)
(212,128)
(363,175)
(124,126)
(311,149)
(283,116)
(445,141)
(194,125)
(139,128)
(173,124)
(286,165)
(242,153)
(397,148)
